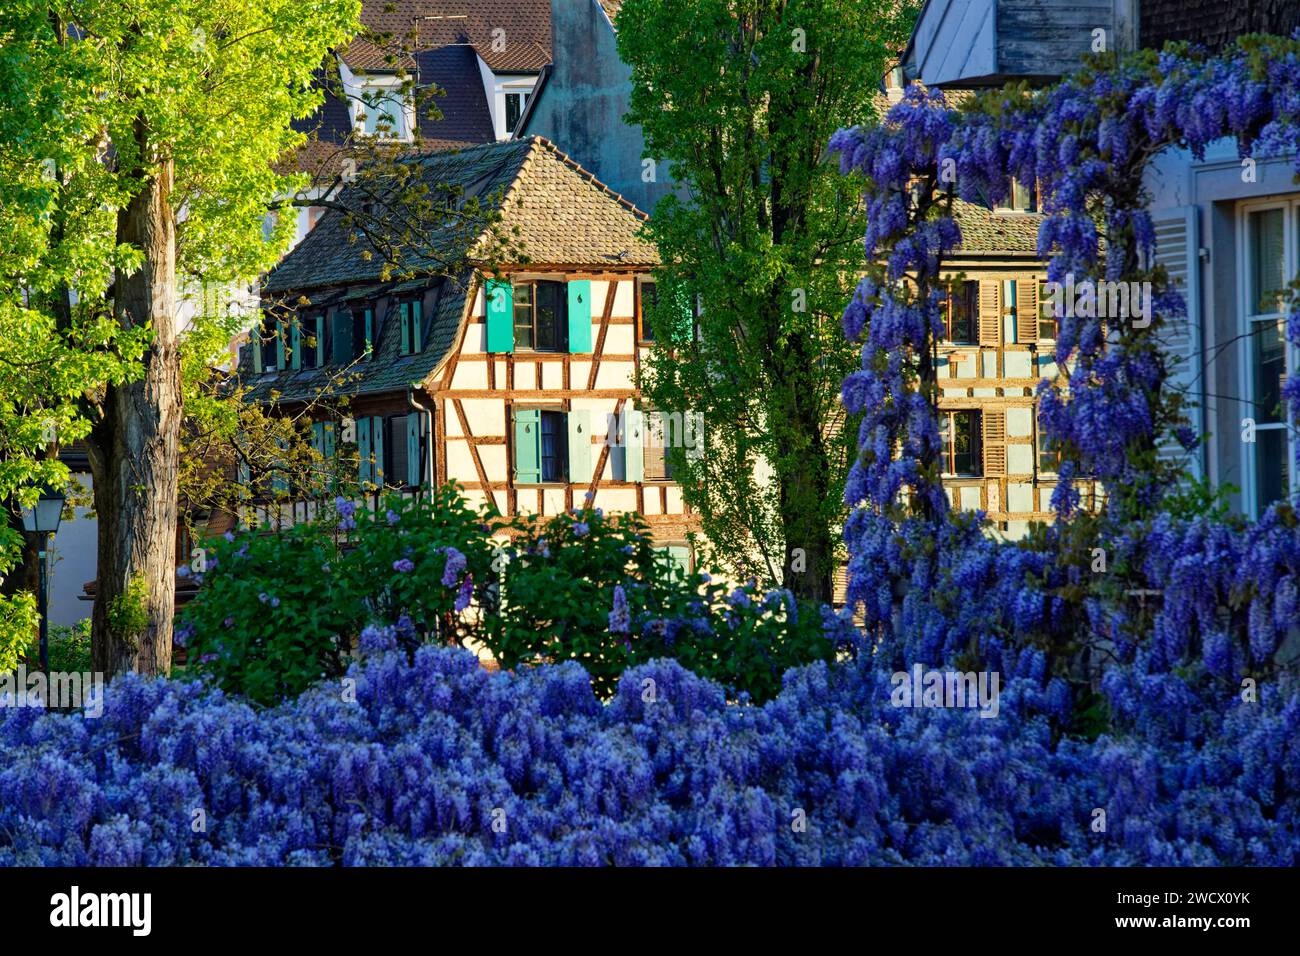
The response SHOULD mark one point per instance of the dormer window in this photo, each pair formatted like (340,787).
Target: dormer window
(382,111)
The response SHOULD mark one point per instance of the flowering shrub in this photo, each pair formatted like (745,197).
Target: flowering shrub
(435,761)
(277,612)
(593,589)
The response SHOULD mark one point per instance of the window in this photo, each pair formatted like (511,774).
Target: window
(553,446)
(515,103)
(313,342)
(1271,238)
(961,442)
(410,315)
(268,344)
(1019,197)
(382,113)
(649,293)
(541,322)
(1048,321)
(1049,452)
(961,312)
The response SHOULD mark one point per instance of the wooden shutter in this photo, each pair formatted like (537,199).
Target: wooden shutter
(528,446)
(405,322)
(580,313)
(995,442)
(414,460)
(244,474)
(500,318)
(342,337)
(633,445)
(377,446)
(417,327)
(579,424)
(990,318)
(295,340)
(329,442)
(370,332)
(279,345)
(1027,311)
(366,464)
(320,354)
(318,437)
(1177,249)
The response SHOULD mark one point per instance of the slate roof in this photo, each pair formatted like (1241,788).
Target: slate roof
(465,118)
(565,217)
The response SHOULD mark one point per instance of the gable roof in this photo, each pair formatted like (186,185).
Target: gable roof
(563,214)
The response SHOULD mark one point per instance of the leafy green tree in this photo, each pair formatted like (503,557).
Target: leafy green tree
(760,249)
(155,125)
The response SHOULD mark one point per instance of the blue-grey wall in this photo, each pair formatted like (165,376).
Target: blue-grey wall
(582,106)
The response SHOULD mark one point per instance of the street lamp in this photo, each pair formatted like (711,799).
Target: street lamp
(42,518)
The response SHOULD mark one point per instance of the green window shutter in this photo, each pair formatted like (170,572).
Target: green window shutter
(580,314)
(319,351)
(528,446)
(579,422)
(245,474)
(500,316)
(633,445)
(414,422)
(377,444)
(279,345)
(342,337)
(417,327)
(318,437)
(295,338)
(405,321)
(330,440)
(679,555)
(370,328)
(366,465)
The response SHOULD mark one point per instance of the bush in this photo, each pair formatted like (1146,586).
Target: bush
(593,589)
(266,624)
(277,612)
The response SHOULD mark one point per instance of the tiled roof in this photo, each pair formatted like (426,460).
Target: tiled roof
(611,9)
(564,216)
(523,45)
(387,370)
(984,231)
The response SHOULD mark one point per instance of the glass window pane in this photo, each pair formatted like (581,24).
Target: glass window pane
(548,317)
(1267,266)
(1272,468)
(1268,343)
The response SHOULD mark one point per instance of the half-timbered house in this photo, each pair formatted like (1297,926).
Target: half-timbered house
(518,381)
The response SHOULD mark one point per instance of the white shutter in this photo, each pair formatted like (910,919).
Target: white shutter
(1177,249)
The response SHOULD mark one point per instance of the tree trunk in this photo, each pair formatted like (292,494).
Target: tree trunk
(134,448)
(804,477)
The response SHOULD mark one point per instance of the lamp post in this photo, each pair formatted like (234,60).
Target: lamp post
(42,518)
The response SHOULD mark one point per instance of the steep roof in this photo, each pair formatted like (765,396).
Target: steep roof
(563,214)
(522,45)
(387,369)
(465,118)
